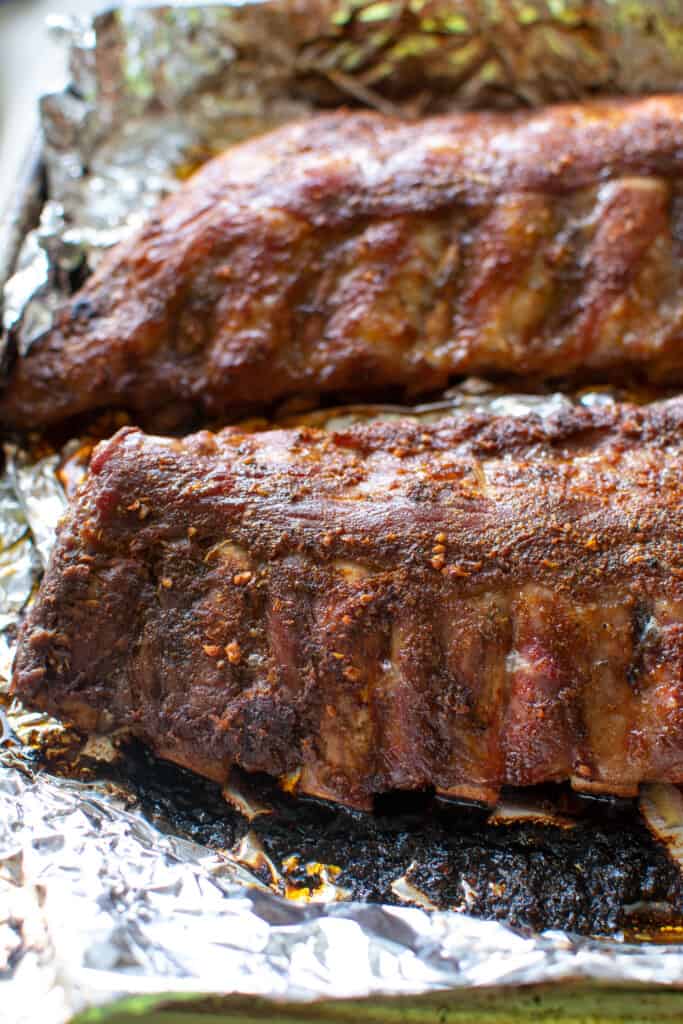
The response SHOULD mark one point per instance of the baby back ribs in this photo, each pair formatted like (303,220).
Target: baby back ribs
(477,602)
(355,252)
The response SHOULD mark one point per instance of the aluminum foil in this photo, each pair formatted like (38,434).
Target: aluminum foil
(96,901)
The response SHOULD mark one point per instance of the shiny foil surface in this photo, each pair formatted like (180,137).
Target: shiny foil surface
(99,900)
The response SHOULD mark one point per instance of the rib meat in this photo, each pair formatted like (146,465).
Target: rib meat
(358,253)
(476,602)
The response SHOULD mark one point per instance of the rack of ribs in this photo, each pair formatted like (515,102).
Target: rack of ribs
(477,602)
(356,253)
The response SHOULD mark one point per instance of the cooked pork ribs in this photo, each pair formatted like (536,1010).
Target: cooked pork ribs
(358,253)
(477,602)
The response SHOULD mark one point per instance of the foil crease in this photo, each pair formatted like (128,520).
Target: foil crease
(96,901)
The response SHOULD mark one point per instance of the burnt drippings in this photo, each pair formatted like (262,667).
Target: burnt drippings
(602,874)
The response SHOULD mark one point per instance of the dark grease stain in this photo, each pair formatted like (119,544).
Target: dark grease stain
(588,879)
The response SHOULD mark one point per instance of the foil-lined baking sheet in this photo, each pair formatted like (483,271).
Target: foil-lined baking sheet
(99,899)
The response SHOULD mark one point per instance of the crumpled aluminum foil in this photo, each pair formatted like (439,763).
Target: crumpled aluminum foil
(97,903)
(109,907)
